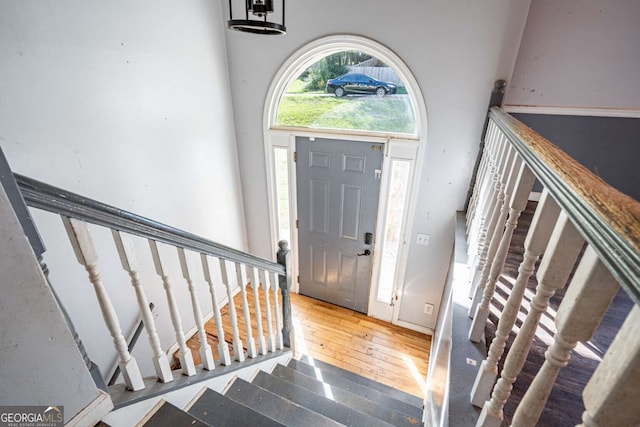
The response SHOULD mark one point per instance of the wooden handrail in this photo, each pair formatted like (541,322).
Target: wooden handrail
(608,219)
(53,199)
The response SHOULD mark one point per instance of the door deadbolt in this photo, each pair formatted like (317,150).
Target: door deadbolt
(368,238)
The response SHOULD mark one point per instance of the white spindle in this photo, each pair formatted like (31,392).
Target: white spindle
(560,256)
(238,351)
(129,261)
(205,349)
(481,175)
(536,241)
(484,177)
(223,349)
(493,231)
(271,340)
(522,179)
(612,395)
(251,345)
(85,252)
(184,353)
(478,231)
(584,305)
(276,302)
(487,202)
(255,285)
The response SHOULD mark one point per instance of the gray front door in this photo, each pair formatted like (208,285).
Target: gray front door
(338,189)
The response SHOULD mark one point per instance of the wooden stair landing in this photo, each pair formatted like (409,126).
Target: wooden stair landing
(380,351)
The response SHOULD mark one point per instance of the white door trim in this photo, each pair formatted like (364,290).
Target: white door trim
(278,136)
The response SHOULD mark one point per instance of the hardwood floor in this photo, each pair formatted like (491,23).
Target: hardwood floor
(374,349)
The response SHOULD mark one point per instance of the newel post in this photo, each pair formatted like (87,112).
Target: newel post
(284,259)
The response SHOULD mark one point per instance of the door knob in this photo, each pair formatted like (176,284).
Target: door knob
(366,252)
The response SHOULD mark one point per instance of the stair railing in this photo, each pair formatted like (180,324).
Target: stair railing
(77,212)
(577,209)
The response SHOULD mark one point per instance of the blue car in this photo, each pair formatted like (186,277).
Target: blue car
(360,84)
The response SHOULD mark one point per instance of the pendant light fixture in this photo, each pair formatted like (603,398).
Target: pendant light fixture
(256,13)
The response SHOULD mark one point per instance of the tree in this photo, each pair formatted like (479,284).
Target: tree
(327,68)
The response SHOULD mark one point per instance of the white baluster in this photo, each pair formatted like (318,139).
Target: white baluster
(238,351)
(493,231)
(184,353)
(271,340)
(522,178)
(584,305)
(205,349)
(274,287)
(85,252)
(485,178)
(559,258)
(129,261)
(223,349)
(477,229)
(536,241)
(612,395)
(487,201)
(481,174)
(251,345)
(255,285)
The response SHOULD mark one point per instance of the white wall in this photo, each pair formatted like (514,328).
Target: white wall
(456,50)
(579,53)
(37,351)
(127,102)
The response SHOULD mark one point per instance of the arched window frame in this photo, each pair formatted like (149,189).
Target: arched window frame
(397,147)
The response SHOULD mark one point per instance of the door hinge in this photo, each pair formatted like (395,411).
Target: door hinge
(298,278)
(296,223)
(295,156)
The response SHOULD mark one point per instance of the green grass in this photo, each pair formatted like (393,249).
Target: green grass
(388,114)
(304,110)
(296,86)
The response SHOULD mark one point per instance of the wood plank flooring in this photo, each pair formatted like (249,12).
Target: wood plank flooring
(374,349)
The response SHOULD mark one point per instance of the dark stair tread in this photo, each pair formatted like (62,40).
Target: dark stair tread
(219,410)
(274,406)
(169,415)
(359,389)
(347,398)
(315,402)
(356,378)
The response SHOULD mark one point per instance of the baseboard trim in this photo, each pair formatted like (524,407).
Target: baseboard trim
(574,111)
(414,327)
(93,412)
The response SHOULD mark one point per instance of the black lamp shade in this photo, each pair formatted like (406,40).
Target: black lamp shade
(256,14)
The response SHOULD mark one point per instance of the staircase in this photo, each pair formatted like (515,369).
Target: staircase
(303,392)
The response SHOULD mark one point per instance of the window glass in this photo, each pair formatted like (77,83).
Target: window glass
(324,96)
(392,238)
(282,189)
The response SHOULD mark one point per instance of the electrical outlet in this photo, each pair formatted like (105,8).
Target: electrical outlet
(423,239)
(428,308)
